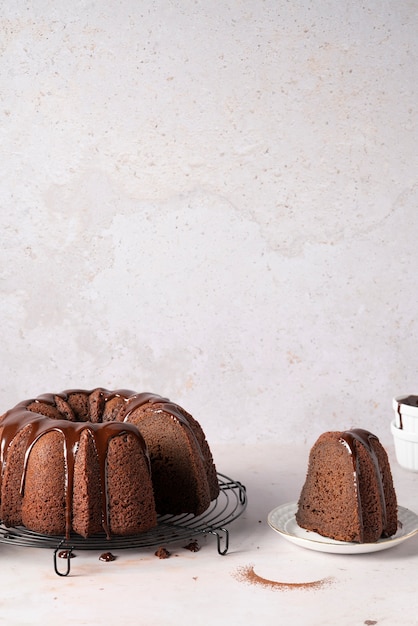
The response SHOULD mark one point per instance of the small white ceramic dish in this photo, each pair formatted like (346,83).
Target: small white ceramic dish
(282,520)
(406,415)
(406,447)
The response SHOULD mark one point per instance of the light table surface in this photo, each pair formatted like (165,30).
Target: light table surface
(206,588)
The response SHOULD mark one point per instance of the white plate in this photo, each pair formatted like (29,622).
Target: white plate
(282,520)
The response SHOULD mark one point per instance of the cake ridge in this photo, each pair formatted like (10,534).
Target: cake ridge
(167,406)
(364,437)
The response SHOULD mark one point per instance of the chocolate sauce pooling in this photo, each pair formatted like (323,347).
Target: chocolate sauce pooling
(408,400)
(364,437)
(38,424)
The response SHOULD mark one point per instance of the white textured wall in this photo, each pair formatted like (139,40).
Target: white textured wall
(215,201)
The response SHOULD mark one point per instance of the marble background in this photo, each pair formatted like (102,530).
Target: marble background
(215,201)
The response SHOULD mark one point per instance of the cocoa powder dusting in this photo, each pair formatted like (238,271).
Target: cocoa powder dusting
(247,574)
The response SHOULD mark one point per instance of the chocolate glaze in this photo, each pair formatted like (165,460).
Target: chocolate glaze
(101,433)
(409,401)
(107,557)
(364,437)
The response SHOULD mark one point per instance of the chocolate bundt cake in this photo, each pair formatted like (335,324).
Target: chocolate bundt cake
(101,461)
(348,494)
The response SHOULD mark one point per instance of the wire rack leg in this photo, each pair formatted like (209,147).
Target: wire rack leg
(225,536)
(68,556)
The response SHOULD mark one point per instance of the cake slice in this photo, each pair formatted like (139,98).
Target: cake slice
(348,494)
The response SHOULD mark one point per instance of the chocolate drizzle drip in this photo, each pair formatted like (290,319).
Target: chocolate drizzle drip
(101,433)
(400,417)
(364,437)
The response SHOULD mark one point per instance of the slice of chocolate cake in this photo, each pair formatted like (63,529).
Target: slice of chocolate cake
(348,494)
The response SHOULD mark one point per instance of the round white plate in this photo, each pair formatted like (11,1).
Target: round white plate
(282,520)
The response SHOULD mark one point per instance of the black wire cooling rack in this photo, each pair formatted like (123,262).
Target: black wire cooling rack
(228,506)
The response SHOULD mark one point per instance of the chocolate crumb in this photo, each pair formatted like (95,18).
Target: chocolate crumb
(193,546)
(247,574)
(370,622)
(162,553)
(107,557)
(66,554)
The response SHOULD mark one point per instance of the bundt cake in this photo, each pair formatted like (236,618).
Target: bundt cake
(348,494)
(101,461)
